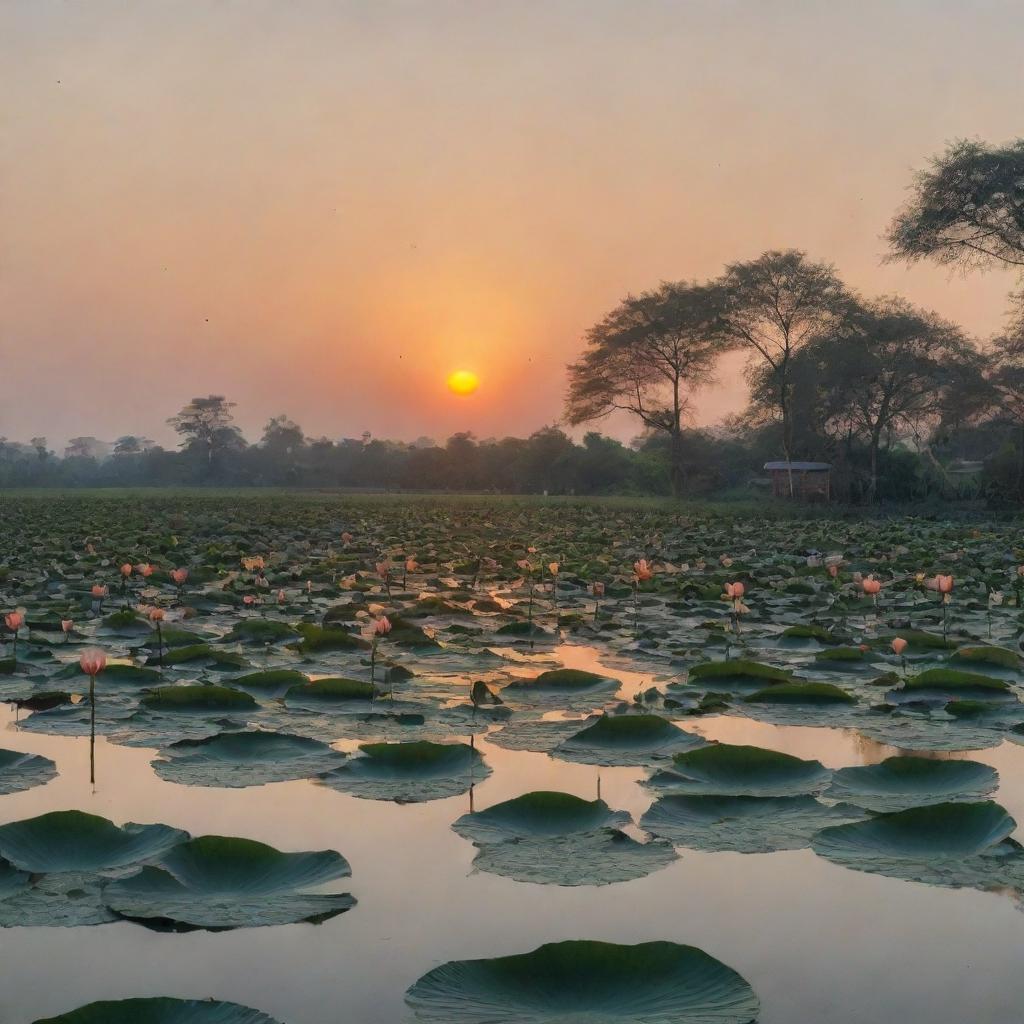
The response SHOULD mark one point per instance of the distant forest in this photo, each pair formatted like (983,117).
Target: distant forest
(902,403)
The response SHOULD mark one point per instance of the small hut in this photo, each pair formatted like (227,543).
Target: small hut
(812,481)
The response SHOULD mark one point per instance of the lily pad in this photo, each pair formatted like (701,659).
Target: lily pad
(251,758)
(626,740)
(899,783)
(590,982)
(19,771)
(724,769)
(218,882)
(161,1010)
(538,814)
(198,698)
(743,824)
(409,772)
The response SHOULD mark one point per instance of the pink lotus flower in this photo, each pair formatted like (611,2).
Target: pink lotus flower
(126,570)
(156,615)
(179,576)
(833,571)
(944,584)
(642,570)
(99,591)
(67,625)
(899,645)
(383,568)
(248,600)
(411,565)
(280,597)
(597,589)
(553,568)
(92,662)
(735,590)
(870,586)
(14,621)
(524,564)
(346,538)
(144,569)
(382,626)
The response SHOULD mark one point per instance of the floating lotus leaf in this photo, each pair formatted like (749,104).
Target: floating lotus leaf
(537,734)
(590,983)
(260,631)
(951,844)
(237,759)
(742,824)
(997,657)
(410,772)
(737,673)
(536,815)
(75,841)
(899,783)
(20,771)
(272,679)
(330,691)
(198,698)
(602,856)
(724,769)
(802,693)
(161,1010)
(11,879)
(626,740)
(954,682)
(218,882)
(567,680)
(316,638)
(65,899)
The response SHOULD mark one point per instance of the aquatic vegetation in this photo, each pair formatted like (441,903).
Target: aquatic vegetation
(899,783)
(197,698)
(723,769)
(409,772)
(743,824)
(245,758)
(538,814)
(219,882)
(626,739)
(649,983)
(161,1010)
(20,771)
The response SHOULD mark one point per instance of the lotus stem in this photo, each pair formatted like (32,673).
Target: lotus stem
(92,730)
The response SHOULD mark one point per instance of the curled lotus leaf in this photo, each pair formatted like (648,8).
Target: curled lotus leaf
(725,769)
(899,783)
(743,824)
(198,698)
(587,981)
(19,771)
(245,758)
(538,815)
(161,1010)
(541,735)
(65,899)
(75,841)
(220,882)
(410,772)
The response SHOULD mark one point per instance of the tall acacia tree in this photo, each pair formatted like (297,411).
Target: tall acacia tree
(207,429)
(890,367)
(647,357)
(774,305)
(967,209)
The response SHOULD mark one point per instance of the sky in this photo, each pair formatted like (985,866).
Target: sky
(323,208)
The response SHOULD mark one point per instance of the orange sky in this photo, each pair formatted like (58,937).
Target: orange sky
(323,208)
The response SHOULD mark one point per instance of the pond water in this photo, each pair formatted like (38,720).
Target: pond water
(816,941)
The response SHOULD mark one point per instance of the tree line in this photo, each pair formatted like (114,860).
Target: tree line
(900,401)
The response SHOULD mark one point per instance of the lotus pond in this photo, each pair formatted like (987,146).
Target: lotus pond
(392,760)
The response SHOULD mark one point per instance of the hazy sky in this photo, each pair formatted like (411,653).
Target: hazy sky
(321,208)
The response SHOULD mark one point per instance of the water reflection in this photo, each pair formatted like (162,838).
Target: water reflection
(816,941)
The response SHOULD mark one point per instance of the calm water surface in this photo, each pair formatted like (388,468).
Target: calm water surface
(818,943)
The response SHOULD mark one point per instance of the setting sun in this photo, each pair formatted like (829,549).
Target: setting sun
(463,382)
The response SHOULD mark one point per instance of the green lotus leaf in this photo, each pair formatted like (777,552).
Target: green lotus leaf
(941,831)
(238,759)
(567,679)
(802,693)
(538,814)
(219,882)
(922,640)
(316,638)
(742,824)
(537,734)
(20,771)
(75,841)
(899,783)
(330,691)
(808,632)
(589,982)
(738,672)
(999,657)
(724,769)
(272,679)
(409,772)
(198,698)
(161,1010)
(113,674)
(840,654)
(65,899)
(626,740)
(260,631)
(955,681)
